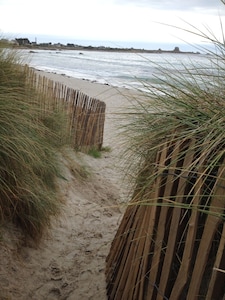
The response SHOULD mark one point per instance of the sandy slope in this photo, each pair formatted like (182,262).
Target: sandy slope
(70,262)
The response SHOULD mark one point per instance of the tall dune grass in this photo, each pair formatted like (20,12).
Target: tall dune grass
(28,156)
(189,104)
(171,237)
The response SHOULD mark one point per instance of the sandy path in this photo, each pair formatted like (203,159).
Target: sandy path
(70,262)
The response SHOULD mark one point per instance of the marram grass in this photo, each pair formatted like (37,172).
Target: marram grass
(188,105)
(170,239)
(28,152)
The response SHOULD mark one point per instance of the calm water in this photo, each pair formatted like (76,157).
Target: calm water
(118,69)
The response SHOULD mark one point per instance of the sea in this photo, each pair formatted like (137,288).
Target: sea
(120,69)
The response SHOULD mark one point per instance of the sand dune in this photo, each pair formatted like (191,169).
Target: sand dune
(70,261)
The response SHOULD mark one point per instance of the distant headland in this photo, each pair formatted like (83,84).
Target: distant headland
(26,44)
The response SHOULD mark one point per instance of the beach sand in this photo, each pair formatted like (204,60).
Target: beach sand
(69,263)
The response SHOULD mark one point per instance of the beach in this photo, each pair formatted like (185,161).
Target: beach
(69,263)
(116,99)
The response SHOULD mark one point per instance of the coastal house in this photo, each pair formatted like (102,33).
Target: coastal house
(23,41)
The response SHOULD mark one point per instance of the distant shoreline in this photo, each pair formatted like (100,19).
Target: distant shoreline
(59,47)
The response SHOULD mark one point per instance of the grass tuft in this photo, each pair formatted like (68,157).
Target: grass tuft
(28,151)
(94,153)
(187,104)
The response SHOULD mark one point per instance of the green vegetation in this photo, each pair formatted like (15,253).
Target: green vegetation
(98,153)
(94,153)
(74,164)
(188,105)
(171,236)
(28,156)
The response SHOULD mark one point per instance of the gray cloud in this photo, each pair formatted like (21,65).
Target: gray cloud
(188,5)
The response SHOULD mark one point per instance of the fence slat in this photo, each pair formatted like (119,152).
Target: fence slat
(86,115)
(216,272)
(216,209)
(179,180)
(163,245)
(191,238)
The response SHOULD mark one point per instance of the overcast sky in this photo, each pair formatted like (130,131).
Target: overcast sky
(110,20)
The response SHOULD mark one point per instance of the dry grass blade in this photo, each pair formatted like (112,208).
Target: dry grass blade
(176,153)
(29,165)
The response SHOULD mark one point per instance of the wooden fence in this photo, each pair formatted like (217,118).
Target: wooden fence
(171,246)
(86,115)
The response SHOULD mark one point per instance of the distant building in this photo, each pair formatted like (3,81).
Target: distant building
(70,45)
(57,45)
(176,50)
(23,41)
(45,44)
(101,47)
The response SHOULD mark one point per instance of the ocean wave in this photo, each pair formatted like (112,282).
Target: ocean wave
(114,68)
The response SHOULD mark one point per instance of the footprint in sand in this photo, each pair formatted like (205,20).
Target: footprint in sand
(56,273)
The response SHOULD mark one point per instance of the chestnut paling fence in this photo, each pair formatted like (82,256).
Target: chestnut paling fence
(170,244)
(86,115)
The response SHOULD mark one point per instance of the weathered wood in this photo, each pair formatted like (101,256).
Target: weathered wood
(183,274)
(215,211)
(216,273)
(167,234)
(86,115)
(179,192)
(160,232)
(124,269)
